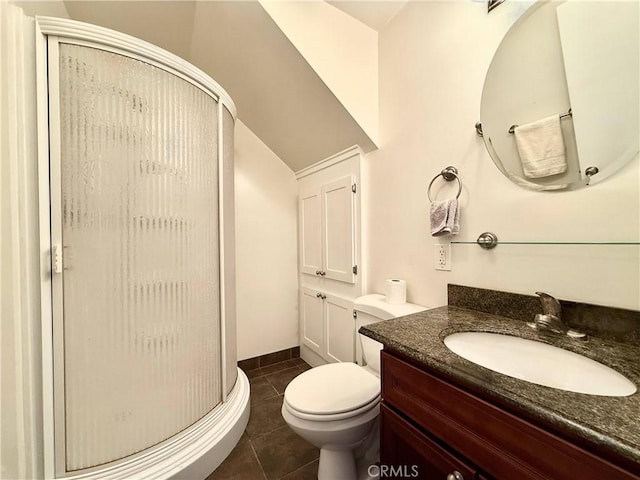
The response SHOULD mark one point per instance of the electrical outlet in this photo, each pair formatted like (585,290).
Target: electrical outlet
(443,256)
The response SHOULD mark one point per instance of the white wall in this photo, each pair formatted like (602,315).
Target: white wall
(433,60)
(266,248)
(21,421)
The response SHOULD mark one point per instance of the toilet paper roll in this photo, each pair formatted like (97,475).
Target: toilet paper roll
(396,291)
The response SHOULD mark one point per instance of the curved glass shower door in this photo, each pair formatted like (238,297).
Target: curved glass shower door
(137,218)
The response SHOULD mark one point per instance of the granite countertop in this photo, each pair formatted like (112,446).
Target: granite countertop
(609,421)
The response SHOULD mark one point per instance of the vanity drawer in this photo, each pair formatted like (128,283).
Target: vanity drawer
(409,453)
(504,445)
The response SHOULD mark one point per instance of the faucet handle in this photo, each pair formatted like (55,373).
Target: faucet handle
(550,305)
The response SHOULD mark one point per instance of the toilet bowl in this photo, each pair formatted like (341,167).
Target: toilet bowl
(333,407)
(336,406)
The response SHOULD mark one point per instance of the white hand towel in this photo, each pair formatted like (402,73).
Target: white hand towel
(541,147)
(444,215)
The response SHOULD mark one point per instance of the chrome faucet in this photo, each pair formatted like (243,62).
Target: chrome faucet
(550,306)
(550,319)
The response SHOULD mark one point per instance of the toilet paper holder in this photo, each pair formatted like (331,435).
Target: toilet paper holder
(449,174)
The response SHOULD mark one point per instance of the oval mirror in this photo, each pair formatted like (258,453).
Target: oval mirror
(566,78)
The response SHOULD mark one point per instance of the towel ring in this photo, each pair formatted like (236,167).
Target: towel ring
(449,174)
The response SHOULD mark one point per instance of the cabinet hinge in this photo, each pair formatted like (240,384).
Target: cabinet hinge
(355,269)
(353,188)
(355,314)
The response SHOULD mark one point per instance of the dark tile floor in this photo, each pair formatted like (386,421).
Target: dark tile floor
(269,449)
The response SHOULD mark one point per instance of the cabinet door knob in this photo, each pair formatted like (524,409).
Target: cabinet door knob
(323,274)
(455,475)
(318,272)
(318,295)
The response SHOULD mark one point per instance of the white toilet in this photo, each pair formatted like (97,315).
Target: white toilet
(335,407)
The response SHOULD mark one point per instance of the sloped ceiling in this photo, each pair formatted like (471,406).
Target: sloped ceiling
(278,95)
(373,13)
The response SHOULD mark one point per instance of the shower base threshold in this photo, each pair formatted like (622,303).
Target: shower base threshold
(193,453)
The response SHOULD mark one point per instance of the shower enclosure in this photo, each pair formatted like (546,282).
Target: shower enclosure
(138,221)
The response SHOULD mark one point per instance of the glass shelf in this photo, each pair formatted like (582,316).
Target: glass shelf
(473,242)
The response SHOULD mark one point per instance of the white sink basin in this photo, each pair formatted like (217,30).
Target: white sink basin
(539,363)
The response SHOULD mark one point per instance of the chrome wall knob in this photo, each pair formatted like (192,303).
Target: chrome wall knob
(487,240)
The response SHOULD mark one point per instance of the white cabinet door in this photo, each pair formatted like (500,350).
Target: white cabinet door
(310,208)
(312,320)
(327,326)
(340,333)
(327,231)
(338,230)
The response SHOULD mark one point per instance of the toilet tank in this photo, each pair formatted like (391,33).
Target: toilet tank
(371,309)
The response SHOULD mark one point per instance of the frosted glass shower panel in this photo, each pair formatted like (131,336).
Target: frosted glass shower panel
(141,327)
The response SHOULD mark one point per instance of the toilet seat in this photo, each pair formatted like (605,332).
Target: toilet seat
(315,417)
(332,392)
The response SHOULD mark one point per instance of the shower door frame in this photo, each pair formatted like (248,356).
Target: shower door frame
(50,32)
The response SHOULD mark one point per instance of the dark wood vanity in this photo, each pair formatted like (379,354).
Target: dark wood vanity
(434,427)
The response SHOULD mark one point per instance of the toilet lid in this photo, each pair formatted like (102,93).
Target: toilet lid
(333,388)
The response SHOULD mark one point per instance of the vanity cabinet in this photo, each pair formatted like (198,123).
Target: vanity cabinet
(327,325)
(430,422)
(327,230)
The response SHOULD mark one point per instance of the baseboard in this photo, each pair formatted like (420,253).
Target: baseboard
(269,359)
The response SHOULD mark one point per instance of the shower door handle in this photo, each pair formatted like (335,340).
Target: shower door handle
(59,259)
(56,259)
